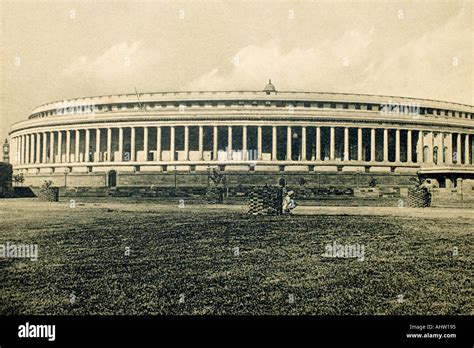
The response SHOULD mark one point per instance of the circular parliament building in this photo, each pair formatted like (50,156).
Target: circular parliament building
(175,139)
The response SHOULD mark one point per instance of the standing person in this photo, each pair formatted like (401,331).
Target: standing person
(289,201)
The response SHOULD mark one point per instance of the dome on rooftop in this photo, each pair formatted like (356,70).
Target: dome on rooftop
(269,87)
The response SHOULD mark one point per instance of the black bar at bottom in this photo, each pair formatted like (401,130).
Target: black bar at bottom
(289,330)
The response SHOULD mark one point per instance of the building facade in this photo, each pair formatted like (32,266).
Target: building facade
(254,136)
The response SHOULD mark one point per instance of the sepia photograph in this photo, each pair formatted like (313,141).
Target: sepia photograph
(170,165)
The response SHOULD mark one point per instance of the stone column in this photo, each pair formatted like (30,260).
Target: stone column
(17,152)
(109,144)
(18,149)
(87,147)
(385,145)
(158,143)
(133,143)
(440,144)
(430,147)
(229,143)
(449,150)
(97,144)
(20,144)
(419,147)
(318,143)
(332,144)
(359,144)
(27,149)
(458,149)
(32,148)
(303,143)
(346,144)
(68,146)
(274,143)
(172,136)
(259,143)
(201,143)
(38,147)
(76,148)
(22,149)
(215,149)
(45,139)
(60,146)
(397,145)
(186,143)
(51,147)
(372,145)
(145,143)
(215,134)
(244,143)
(29,141)
(288,143)
(467,146)
(409,145)
(120,145)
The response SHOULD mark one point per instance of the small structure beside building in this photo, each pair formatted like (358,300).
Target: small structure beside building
(6,171)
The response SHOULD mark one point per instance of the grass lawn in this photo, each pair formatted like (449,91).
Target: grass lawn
(183,260)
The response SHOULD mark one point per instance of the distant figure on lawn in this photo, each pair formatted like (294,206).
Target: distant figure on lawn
(289,202)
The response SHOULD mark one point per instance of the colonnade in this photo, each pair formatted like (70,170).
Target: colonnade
(318,143)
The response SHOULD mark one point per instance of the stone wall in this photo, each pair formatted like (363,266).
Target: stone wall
(463,192)
(339,180)
(72,179)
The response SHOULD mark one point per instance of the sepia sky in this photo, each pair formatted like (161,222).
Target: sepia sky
(55,50)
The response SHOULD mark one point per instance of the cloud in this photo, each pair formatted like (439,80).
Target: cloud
(118,62)
(312,68)
(435,65)
(358,62)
